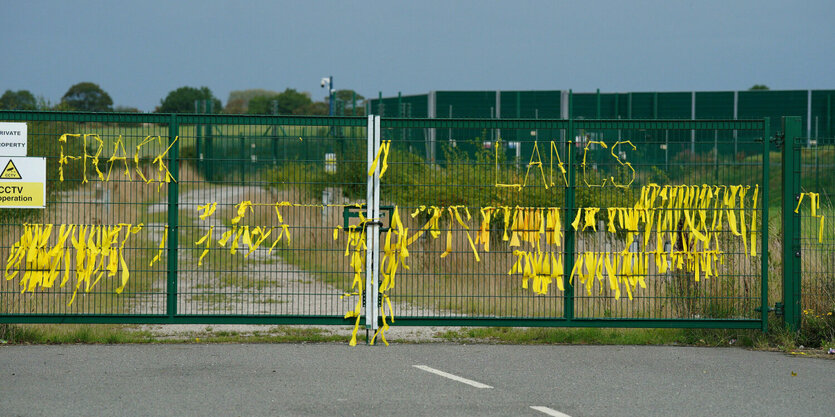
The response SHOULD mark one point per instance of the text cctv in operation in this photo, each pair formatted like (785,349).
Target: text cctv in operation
(11,190)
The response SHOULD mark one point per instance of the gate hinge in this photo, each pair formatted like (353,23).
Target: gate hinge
(778,138)
(777,309)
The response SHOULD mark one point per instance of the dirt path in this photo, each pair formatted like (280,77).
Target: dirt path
(260,284)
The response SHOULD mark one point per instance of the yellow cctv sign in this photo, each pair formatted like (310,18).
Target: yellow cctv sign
(23,182)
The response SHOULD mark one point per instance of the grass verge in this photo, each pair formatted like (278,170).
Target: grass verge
(777,339)
(48,334)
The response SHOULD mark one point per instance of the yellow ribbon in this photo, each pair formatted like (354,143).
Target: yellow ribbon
(207,209)
(384,151)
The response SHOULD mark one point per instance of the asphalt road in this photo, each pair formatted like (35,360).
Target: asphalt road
(334,379)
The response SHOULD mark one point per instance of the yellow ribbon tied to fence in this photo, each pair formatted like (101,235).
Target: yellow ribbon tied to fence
(394,254)
(356,240)
(384,152)
(97,252)
(814,204)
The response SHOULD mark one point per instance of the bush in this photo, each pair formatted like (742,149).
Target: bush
(817,328)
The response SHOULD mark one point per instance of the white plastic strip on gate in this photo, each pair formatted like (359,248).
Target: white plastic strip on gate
(375,287)
(372,236)
(369,214)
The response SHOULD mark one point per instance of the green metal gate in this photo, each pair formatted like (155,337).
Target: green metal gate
(484,184)
(279,169)
(808,283)
(261,219)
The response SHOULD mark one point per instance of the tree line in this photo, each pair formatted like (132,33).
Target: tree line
(88,96)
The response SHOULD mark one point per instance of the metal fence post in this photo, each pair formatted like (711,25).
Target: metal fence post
(242,159)
(693,117)
(173,215)
(208,134)
(764,228)
(372,229)
(808,118)
(791,222)
(568,256)
(198,141)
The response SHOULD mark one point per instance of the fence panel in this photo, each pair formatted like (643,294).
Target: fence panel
(490,249)
(87,190)
(816,237)
(458,262)
(565,223)
(206,219)
(711,272)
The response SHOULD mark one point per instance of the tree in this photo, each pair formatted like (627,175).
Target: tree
(18,100)
(238,101)
(128,109)
(87,96)
(759,87)
(289,102)
(236,106)
(318,108)
(346,98)
(182,100)
(293,102)
(348,95)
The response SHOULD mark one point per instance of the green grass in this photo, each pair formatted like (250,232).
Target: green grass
(596,336)
(71,333)
(43,334)
(280,334)
(777,338)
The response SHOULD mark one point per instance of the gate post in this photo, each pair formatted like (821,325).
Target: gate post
(173,216)
(568,256)
(372,229)
(764,229)
(791,222)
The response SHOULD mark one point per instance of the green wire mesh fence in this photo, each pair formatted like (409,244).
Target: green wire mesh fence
(510,194)
(815,239)
(536,222)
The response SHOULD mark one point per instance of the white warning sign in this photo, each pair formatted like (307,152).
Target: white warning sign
(12,139)
(22,182)
(10,172)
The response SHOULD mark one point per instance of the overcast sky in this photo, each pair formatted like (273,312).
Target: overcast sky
(138,51)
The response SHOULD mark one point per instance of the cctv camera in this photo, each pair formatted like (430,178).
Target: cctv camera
(324,81)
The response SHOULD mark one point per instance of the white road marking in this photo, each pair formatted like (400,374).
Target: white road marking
(452,377)
(549,411)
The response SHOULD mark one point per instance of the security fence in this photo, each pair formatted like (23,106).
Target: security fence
(813,106)
(809,229)
(263,219)
(573,225)
(123,209)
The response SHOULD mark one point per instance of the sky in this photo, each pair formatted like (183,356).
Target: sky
(139,51)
